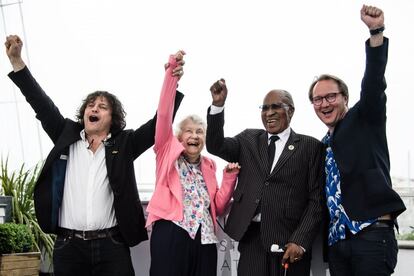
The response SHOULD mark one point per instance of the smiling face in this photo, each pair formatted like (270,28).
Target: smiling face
(330,113)
(192,136)
(276,120)
(98,117)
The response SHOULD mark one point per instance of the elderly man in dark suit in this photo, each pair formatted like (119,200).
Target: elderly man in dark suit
(362,204)
(277,204)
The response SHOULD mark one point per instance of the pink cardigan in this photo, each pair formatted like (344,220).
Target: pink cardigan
(167,199)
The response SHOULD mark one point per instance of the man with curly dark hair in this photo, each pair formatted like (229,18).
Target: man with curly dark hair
(118,112)
(86,192)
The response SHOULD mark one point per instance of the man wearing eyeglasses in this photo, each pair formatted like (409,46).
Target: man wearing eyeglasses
(361,202)
(277,206)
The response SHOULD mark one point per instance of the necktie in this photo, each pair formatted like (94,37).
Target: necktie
(271,155)
(271,150)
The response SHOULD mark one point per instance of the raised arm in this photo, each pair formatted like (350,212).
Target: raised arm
(373,98)
(225,147)
(144,136)
(173,73)
(46,111)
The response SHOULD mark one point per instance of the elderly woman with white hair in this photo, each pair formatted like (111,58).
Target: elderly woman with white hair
(187,197)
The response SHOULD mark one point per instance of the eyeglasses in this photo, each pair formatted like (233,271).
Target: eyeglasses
(274,106)
(330,98)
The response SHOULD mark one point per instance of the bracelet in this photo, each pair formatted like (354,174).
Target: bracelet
(377,31)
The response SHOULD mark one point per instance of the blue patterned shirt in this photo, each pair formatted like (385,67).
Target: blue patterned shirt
(339,220)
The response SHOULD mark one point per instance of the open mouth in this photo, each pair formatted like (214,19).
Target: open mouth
(326,112)
(193,144)
(271,122)
(93,118)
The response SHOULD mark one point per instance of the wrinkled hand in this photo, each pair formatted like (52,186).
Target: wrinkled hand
(219,92)
(178,71)
(372,16)
(232,168)
(293,253)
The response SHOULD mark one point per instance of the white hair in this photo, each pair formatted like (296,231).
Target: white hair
(192,118)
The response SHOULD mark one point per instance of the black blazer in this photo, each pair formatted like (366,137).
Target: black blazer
(291,196)
(120,152)
(359,143)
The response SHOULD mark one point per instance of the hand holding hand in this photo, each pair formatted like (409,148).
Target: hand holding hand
(178,70)
(293,253)
(219,92)
(232,168)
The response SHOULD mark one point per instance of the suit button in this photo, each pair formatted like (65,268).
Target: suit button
(266,183)
(257,201)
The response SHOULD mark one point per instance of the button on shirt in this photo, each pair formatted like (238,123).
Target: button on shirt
(88,198)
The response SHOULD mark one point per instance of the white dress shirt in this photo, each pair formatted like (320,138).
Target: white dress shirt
(88,198)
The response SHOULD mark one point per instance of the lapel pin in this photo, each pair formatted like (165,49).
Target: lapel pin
(114,152)
(291,147)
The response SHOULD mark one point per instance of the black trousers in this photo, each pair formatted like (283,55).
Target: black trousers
(99,257)
(256,261)
(174,253)
(371,252)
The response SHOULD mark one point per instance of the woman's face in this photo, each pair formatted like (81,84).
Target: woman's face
(193,138)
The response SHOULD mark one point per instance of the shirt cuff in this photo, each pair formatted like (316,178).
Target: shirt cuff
(216,109)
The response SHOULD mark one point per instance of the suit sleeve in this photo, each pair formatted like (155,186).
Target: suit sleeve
(309,225)
(46,111)
(225,148)
(373,98)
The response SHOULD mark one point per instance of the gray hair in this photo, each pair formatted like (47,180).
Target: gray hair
(286,97)
(192,118)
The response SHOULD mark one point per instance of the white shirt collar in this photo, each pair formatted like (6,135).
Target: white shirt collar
(284,135)
(83,136)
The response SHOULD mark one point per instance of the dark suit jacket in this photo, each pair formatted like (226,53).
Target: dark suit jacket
(359,143)
(120,152)
(291,196)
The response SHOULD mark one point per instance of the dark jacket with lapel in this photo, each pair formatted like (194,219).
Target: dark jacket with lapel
(120,152)
(291,196)
(359,144)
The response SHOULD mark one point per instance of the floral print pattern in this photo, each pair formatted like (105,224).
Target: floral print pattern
(196,202)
